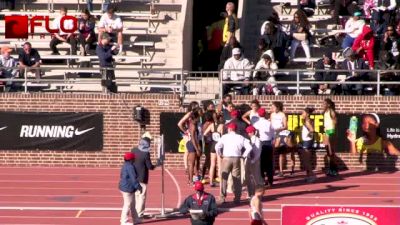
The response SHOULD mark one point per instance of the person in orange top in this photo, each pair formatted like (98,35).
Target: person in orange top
(364,45)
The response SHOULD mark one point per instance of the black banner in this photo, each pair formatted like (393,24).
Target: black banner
(389,129)
(51,131)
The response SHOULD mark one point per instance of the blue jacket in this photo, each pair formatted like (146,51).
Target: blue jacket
(128,178)
(105,55)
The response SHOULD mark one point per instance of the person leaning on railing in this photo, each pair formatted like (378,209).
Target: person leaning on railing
(237,68)
(105,52)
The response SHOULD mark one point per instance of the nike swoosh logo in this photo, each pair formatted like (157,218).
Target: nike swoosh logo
(78,132)
(2,128)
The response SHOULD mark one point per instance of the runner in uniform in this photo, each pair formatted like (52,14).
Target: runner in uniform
(307,139)
(279,123)
(330,123)
(256,213)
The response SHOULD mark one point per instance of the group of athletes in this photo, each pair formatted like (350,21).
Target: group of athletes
(203,127)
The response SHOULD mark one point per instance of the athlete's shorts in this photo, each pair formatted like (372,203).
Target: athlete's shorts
(330,132)
(308,144)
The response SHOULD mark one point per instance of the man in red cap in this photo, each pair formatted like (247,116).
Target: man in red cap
(229,147)
(201,205)
(240,125)
(128,185)
(266,134)
(252,163)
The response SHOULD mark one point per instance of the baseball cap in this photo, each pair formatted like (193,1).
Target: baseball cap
(234,113)
(129,156)
(6,49)
(358,13)
(261,112)
(198,186)
(250,129)
(232,126)
(236,51)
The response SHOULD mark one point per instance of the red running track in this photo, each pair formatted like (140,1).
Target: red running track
(82,196)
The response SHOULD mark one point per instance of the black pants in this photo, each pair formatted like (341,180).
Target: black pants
(267,161)
(83,42)
(108,80)
(343,10)
(55,41)
(244,90)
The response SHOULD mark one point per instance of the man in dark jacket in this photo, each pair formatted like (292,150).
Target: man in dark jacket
(128,185)
(351,63)
(105,52)
(143,165)
(327,64)
(203,201)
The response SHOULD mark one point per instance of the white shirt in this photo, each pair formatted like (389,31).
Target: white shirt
(277,120)
(240,65)
(256,152)
(115,22)
(68,25)
(351,24)
(231,145)
(390,7)
(264,128)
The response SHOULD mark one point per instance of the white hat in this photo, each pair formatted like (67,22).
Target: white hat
(236,51)
(147,134)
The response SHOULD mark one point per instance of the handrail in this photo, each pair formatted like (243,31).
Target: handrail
(183,77)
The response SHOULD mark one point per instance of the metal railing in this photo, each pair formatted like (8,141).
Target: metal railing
(198,84)
(300,77)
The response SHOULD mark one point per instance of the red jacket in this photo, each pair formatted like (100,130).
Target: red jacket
(366,41)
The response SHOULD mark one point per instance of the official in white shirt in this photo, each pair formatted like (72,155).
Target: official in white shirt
(229,147)
(252,162)
(266,134)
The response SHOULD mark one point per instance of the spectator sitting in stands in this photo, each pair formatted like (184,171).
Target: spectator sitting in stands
(276,40)
(353,28)
(261,48)
(391,42)
(112,24)
(351,63)
(29,58)
(364,46)
(87,36)
(308,6)
(105,52)
(274,19)
(343,8)
(266,62)
(236,67)
(231,23)
(327,64)
(61,36)
(6,60)
(300,34)
(227,51)
(388,62)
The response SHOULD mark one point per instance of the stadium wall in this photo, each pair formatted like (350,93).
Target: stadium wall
(121,133)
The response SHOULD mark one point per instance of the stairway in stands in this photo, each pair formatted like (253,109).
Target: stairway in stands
(161,38)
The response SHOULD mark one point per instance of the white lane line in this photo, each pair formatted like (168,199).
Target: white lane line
(177,186)
(274,191)
(313,196)
(118,209)
(79,213)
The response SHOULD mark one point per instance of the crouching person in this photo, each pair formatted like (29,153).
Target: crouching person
(201,205)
